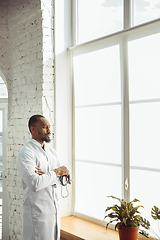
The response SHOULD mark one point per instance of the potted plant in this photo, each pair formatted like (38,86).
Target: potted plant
(128,219)
(155,213)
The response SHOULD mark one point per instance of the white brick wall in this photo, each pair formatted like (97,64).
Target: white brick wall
(27,61)
(48,58)
(4,49)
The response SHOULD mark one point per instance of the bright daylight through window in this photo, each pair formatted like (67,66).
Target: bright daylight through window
(97,18)
(3,89)
(116,104)
(97,125)
(145,10)
(144,82)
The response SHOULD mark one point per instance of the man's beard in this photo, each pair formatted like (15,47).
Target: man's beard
(45,139)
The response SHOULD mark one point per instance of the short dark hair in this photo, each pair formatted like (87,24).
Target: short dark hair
(33,120)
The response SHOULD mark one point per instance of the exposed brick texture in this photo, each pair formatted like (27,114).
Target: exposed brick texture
(27,61)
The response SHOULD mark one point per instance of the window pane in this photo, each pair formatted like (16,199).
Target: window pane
(98,134)
(93,184)
(97,18)
(3,91)
(1,80)
(144,84)
(145,135)
(97,77)
(144,186)
(145,10)
(97,129)
(144,71)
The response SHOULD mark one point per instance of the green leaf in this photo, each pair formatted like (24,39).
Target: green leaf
(124,221)
(122,201)
(113,220)
(135,200)
(155,213)
(112,215)
(109,208)
(145,223)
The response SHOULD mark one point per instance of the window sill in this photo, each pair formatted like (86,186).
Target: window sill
(75,228)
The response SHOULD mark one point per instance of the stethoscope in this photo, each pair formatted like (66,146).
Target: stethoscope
(64,181)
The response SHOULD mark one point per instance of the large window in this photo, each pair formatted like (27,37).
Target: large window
(116,104)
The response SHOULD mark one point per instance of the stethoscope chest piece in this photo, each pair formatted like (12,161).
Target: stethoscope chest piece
(64,181)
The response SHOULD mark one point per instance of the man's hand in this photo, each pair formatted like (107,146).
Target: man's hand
(39,171)
(61,171)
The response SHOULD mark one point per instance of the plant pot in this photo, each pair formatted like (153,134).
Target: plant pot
(128,233)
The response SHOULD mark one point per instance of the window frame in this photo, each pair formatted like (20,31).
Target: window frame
(122,38)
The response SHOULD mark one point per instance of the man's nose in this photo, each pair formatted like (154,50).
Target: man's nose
(48,129)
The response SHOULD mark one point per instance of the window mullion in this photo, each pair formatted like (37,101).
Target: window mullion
(74,22)
(127,14)
(73,130)
(125,119)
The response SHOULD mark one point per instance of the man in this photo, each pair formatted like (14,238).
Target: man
(39,167)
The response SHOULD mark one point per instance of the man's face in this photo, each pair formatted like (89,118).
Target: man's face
(41,130)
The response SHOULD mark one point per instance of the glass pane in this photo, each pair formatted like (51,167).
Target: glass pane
(145,10)
(144,71)
(3,91)
(93,184)
(144,187)
(97,18)
(145,135)
(1,80)
(98,134)
(97,77)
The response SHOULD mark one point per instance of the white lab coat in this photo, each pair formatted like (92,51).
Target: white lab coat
(40,208)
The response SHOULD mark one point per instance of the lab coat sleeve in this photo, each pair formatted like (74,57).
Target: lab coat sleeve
(58,164)
(26,164)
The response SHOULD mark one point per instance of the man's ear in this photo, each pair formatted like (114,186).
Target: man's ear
(32,128)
